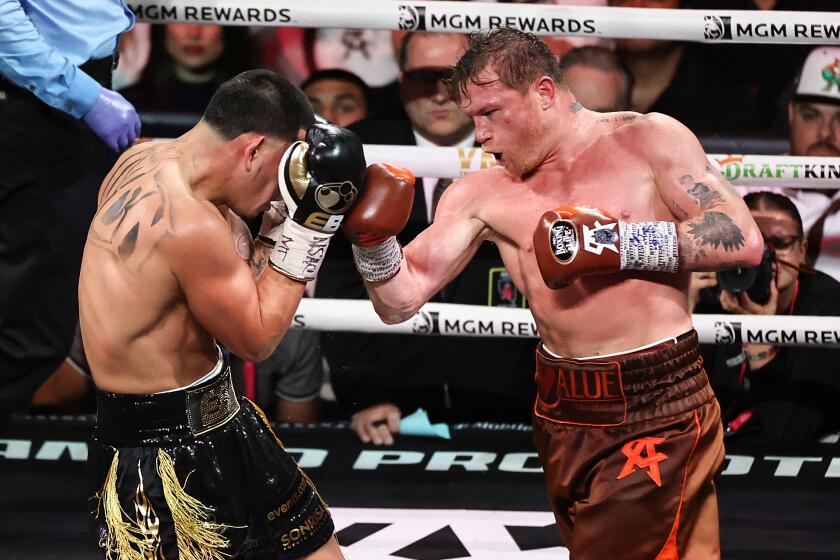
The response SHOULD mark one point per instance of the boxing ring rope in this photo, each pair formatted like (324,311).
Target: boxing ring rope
(450,319)
(744,170)
(707,26)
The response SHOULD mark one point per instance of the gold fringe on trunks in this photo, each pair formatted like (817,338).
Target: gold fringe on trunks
(198,537)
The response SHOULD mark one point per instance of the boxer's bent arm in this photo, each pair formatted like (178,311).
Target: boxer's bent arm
(430,261)
(715,227)
(248,315)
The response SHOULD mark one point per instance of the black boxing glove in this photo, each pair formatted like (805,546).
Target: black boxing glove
(319,179)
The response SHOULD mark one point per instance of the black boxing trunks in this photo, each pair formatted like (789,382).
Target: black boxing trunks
(630,445)
(198,473)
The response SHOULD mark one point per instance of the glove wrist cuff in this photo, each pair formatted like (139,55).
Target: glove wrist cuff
(379,262)
(651,246)
(299,251)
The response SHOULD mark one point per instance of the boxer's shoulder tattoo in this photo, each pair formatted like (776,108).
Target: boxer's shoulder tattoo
(716,229)
(118,225)
(128,171)
(575,107)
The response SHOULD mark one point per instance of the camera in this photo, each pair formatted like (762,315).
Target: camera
(755,280)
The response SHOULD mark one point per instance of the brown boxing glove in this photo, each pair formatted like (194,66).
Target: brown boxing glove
(380,212)
(575,241)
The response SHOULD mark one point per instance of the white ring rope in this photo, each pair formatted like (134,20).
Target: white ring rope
(744,170)
(708,26)
(449,319)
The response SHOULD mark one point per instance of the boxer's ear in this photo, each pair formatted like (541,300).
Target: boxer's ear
(546,89)
(252,144)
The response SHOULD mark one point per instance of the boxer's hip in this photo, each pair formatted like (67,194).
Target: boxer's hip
(662,380)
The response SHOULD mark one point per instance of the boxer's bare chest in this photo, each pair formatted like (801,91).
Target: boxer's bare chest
(609,179)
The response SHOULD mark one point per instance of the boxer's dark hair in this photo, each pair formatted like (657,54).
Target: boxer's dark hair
(517,57)
(259,101)
(767,200)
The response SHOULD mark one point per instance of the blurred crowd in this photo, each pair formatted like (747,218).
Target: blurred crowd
(387,87)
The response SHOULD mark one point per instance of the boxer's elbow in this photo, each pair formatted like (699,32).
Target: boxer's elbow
(753,247)
(396,311)
(254,348)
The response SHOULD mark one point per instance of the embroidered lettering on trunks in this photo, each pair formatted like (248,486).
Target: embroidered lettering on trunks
(580,392)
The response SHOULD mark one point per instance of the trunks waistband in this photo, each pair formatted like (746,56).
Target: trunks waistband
(192,410)
(660,380)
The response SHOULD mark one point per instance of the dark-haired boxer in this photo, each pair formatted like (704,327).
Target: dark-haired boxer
(185,468)
(627,428)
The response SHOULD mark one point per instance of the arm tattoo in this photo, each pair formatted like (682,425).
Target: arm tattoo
(716,229)
(259,260)
(724,182)
(706,196)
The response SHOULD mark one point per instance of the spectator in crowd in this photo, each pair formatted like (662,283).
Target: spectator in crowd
(369,53)
(339,96)
(61,125)
(679,80)
(289,381)
(814,121)
(814,116)
(187,63)
(380,378)
(598,78)
(782,397)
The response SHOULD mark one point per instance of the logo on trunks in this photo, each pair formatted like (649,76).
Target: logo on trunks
(600,237)
(286,506)
(727,333)
(412,18)
(650,461)
(563,241)
(718,28)
(304,530)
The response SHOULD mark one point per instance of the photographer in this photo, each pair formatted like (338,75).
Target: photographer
(782,398)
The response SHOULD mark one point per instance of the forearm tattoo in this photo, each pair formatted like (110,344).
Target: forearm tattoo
(712,229)
(715,229)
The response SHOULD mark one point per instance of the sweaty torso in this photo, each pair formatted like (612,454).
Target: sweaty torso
(138,332)
(596,314)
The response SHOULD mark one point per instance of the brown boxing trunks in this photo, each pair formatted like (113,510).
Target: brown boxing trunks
(631,445)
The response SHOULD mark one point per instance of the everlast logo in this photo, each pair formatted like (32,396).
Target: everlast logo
(306,529)
(284,508)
